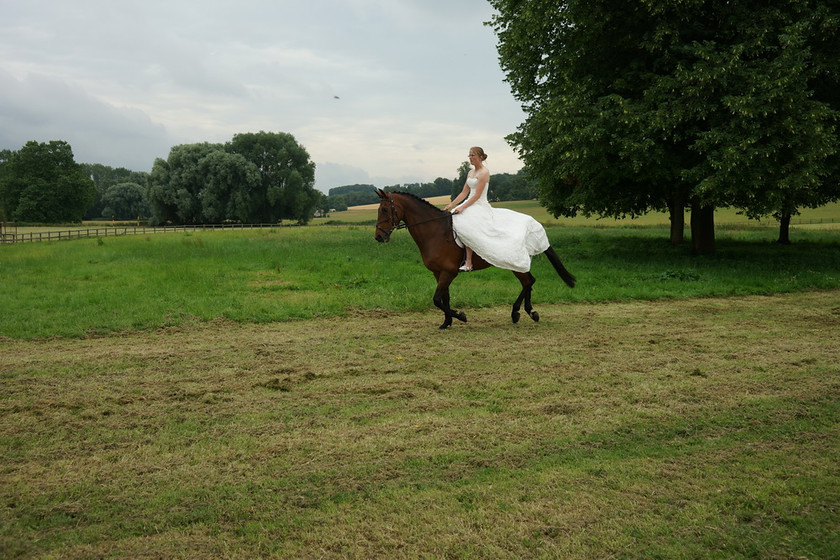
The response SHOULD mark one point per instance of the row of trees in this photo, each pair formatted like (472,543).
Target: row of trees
(503,186)
(256,177)
(340,198)
(663,105)
(42,183)
(120,193)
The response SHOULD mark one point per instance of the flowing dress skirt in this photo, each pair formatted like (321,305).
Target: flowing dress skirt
(504,238)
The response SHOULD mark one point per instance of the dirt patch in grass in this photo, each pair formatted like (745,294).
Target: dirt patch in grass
(689,428)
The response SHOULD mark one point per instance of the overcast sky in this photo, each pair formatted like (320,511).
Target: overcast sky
(377,91)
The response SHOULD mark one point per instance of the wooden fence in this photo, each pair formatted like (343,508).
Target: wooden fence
(7,237)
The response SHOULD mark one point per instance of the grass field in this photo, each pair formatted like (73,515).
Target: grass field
(97,286)
(696,428)
(286,394)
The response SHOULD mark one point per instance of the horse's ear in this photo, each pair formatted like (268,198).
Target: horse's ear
(381,193)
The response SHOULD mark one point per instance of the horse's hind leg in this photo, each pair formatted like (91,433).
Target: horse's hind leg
(527,280)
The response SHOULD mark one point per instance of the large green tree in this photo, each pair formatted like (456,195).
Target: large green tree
(176,183)
(655,104)
(230,183)
(125,201)
(261,177)
(42,182)
(105,177)
(287,187)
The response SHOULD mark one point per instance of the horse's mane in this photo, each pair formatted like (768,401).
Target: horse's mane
(418,199)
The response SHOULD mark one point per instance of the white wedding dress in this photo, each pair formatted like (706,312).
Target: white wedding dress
(502,237)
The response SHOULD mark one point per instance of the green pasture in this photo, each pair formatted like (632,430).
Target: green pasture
(96,286)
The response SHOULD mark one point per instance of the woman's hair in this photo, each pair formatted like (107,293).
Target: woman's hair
(479,152)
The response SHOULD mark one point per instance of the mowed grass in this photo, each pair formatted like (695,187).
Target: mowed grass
(96,286)
(690,428)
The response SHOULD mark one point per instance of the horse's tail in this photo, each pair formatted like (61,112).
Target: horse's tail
(567,277)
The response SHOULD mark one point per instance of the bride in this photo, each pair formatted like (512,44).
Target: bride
(502,237)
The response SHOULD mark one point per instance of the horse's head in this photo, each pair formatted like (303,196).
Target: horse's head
(389,216)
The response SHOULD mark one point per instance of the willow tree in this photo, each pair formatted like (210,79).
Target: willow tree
(662,105)
(287,187)
(255,178)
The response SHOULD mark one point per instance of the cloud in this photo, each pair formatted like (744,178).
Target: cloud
(42,108)
(417,81)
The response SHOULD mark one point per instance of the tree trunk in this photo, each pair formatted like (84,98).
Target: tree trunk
(703,229)
(784,229)
(676,210)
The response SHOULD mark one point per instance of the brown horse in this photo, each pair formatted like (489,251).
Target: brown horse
(431,229)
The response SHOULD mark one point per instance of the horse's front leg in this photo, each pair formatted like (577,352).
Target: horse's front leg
(527,280)
(441,300)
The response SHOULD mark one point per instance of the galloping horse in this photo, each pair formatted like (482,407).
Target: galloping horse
(431,229)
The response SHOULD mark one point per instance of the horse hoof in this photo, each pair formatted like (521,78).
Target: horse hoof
(535,316)
(514,316)
(444,326)
(461,317)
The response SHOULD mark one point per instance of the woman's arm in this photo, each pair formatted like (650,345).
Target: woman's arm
(461,196)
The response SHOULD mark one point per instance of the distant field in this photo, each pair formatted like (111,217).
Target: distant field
(825,216)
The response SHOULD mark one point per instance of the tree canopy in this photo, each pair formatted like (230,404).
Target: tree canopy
(105,177)
(125,201)
(287,186)
(649,105)
(503,186)
(256,177)
(42,183)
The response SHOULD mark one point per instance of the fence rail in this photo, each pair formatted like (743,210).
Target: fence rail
(31,237)
(810,221)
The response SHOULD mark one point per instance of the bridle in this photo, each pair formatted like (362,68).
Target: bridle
(395,222)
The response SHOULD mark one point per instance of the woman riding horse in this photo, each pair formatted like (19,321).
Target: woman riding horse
(431,229)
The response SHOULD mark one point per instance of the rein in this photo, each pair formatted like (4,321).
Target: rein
(406,226)
(395,224)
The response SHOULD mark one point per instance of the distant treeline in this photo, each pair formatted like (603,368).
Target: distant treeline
(262,177)
(503,186)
